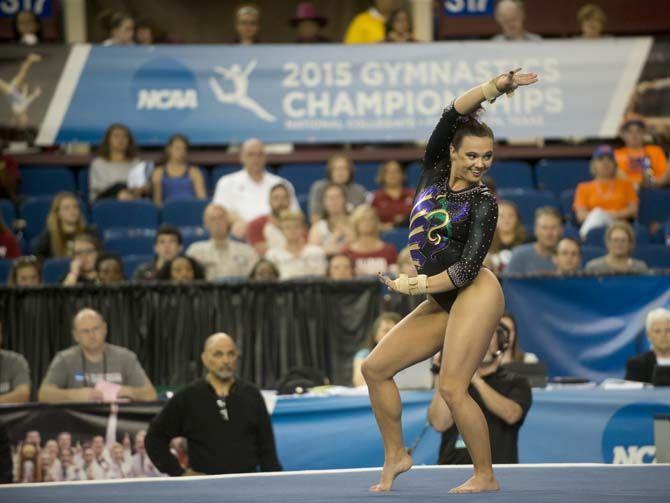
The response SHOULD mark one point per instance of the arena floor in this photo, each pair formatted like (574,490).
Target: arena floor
(520,484)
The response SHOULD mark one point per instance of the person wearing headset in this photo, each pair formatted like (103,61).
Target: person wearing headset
(504,398)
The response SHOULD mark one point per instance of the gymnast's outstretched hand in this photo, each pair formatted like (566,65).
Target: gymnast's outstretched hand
(508,82)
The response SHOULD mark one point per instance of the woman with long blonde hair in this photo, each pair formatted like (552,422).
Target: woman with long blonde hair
(64,222)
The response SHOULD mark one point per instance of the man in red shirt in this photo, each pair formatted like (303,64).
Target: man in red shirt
(263,232)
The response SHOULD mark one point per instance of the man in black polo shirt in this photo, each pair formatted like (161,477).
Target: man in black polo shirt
(504,398)
(224,420)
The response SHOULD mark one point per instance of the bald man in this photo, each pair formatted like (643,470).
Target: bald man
(246,193)
(219,255)
(511,17)
(224,420)
(83,373)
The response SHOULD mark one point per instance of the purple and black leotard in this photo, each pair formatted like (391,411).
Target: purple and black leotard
(449,230)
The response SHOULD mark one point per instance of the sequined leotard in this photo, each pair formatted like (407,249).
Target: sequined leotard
(449,230)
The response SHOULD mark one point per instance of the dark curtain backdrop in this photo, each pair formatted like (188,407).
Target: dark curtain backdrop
(277,326)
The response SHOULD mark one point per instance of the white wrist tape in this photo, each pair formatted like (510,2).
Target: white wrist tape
(491,91)
(411,286)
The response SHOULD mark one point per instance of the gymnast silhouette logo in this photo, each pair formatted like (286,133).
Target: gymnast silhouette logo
(240,94)
(430,225)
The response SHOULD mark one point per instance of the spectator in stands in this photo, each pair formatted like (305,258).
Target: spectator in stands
(90,468)
(223,418)
(14,376)
(247,25)
(368,27)
(28,464)
(296,258)
(606,198)
(9,246)
(146,32)
(381,326)
(9,177)
(176,180)
(50,466)
(167,246)
(27,28)
(568,257)
(644,165)
(108,175)
(119,468)
(119,25)
(620,244)
(653,366)
(264,232)
(64,222)
(181,269)
(340,267)
(71,470)
(511,17)
(333,232)
(307,24)
(393,201)
(26,271)
(93,370)
(109,269)
(340,170)
(370,254)
(140,464)
(505,399)
(246,193)
(536,257)
(514,352)
(219,255)
(398,27)
(86,249)
(264,270)
(510,233)
(591,19)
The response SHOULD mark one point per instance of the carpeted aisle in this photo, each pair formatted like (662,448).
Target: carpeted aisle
(520,484)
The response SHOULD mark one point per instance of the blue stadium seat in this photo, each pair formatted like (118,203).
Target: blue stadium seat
(641,234)
(302,176)
(397,237)
(8,212)
(558,175)
(567,198)
(218,172)
(43,181)
(366,174)
(413,174)
(571,231)
(654,206)
(303,201)
(528,200)
(656,256)
(82,183)
(512,174)
(183,213)
(109,214)
(131,244)
(596,237)
(55,269)
(191,234)
(132,262)
(591,252)
(5,268)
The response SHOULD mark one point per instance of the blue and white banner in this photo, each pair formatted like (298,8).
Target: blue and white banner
(585,327)
(338,93)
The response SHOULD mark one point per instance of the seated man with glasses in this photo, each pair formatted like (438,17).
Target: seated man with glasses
(85,251)
(93,370)
(224,420)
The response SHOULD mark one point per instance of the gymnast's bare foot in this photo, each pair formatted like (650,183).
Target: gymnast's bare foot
(478,484)
(393,466)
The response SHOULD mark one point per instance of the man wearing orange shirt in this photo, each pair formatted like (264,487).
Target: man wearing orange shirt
(606,198)
(644,165)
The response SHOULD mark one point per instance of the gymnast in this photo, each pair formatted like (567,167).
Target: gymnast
(451,227)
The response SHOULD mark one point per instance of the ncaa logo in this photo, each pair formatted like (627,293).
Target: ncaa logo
(629,434)
(164,89)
